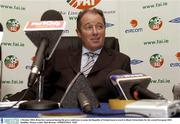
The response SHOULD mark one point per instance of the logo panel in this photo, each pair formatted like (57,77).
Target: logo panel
(11,62)
(83,4)
(176,64)
(134,27)
(13,25)
(176,20)
(156,60)
(136,61)
(155,23)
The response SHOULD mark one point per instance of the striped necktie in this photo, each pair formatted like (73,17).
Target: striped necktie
(90,62)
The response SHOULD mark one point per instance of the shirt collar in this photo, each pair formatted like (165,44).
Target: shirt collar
(85,50)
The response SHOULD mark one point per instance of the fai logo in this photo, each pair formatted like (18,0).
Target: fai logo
(155,23)
(11,62)
(13,25)
(156,60)
(83,4)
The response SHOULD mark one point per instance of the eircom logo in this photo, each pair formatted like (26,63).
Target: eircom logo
(83,4)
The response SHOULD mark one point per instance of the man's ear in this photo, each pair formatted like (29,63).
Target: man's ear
(78,33)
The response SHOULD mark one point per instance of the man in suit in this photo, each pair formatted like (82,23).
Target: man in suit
(65,64)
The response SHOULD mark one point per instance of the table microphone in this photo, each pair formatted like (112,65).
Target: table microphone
(176,91)
(133,84)
(139,92)
(45,34)
(1,33)
(44,39)
(84,103)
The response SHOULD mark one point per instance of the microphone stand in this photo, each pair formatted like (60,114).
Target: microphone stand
(39,103)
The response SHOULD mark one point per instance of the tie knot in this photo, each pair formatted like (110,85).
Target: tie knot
(91,54)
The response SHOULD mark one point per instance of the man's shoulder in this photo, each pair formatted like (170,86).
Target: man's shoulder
(65,51)
(117,53)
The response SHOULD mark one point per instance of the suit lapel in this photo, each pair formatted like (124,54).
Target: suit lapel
(75,60)
(105,58)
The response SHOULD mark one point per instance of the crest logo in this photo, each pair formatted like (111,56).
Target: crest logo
(156,60)
(155,23)
(13,25)
(83,4)
(11,62)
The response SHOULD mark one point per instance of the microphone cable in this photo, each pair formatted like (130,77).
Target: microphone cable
(7,108)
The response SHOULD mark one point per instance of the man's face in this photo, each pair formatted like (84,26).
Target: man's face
(92,31)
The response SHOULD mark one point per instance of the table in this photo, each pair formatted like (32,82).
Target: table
(102,112)
(104,109)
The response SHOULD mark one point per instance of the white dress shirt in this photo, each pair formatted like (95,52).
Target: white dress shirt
(84,57)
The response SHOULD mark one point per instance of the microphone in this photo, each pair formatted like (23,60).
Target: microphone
(79,94)
(176,91)
(84,103)
(117,85)
(1,33)
(139,92)
(1,28)
(132,86)
(37,63)
(44,34)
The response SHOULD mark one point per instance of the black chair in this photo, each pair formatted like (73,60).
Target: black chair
(73,42)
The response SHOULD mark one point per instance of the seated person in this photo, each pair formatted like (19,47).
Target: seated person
(65,64)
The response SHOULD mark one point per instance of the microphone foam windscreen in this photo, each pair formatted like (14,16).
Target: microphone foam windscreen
(1,27)
(176,91)
(126,81)
(116,72)
(80,85)
(51,15)
(51,36)
(1,36)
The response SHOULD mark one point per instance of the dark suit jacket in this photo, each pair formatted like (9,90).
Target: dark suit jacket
(64,66)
